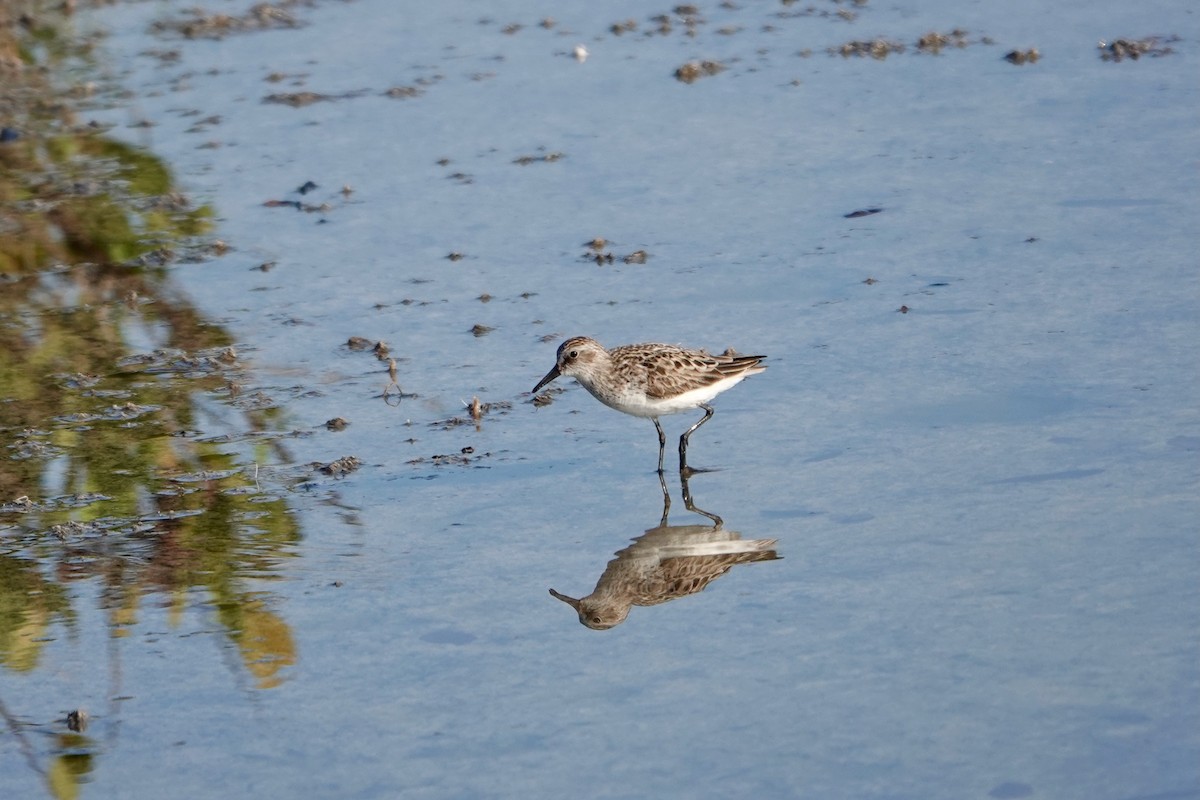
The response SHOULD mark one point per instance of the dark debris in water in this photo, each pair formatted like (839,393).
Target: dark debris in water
(301,99)
(599,256)
(466,457)
(693,71)
(1020,57)
(381,350)
(115,413)
(339,467)
(546,397)
(25,504)
(164,361)
(77,720)
(195,23)
(205,476)
(476,411)
(547,158)
(934,42)
(1133,49)
(878,48)
(403,92)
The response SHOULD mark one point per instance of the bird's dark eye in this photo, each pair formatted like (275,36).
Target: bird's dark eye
(573,354)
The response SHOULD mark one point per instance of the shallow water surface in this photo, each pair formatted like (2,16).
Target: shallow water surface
(946,547)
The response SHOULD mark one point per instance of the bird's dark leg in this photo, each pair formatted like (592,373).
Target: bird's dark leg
(683,440)
(662,443)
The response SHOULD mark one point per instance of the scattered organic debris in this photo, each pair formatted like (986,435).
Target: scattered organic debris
(934,42)
(455,256)
(695,70)
(463,458)
(476,411)
(77,720)
(546,397)
(336,424)
(636,257)
(301,99)
(403,92)
(1133,49)
(903,309)
(862,212)
(340,467)
(870,281)
(166,360)
(359,343)
(280,77)
(548,158)
(481,330)
(1019,57)
(71,529)
(308,208)
(197,24)
(878,49)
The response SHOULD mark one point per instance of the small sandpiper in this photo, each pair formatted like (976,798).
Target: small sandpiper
(651,380)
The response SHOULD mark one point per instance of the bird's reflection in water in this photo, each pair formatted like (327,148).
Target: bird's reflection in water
(666,562)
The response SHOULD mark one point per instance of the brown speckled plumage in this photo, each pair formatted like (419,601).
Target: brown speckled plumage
(652,380)
(666,563)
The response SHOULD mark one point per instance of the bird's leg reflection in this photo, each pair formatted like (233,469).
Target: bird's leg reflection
(687,499)
(690,506)
(662,481)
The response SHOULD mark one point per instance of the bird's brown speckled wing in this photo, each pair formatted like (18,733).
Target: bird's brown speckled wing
(679,577)
(666,370)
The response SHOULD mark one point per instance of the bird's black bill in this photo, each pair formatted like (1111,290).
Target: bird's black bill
(551,375)
(571,601)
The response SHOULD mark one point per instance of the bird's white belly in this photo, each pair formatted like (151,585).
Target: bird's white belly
(636,402)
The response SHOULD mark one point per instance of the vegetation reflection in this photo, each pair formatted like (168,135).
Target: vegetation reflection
(111,491)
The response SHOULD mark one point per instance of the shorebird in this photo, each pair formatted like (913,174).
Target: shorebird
(652,380)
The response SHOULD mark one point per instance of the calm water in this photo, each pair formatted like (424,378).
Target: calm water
(979,467)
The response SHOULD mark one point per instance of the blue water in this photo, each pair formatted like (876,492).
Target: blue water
(988,532)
